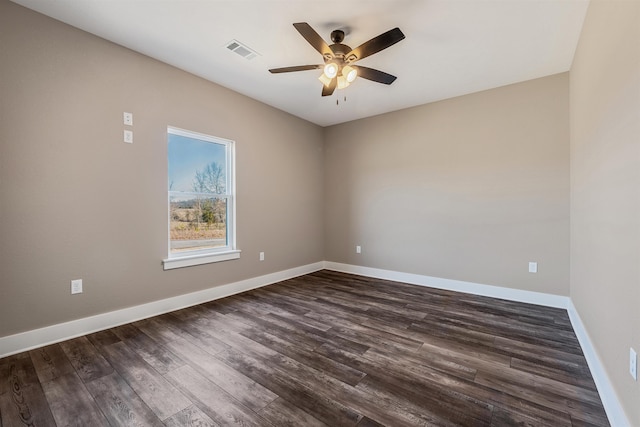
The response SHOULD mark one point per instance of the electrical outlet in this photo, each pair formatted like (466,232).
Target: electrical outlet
(76,286)
(358,249)
(633,363)
(533,267)
(261,256)
(127,119)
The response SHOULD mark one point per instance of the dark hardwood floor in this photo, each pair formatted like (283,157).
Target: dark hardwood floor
(325,349)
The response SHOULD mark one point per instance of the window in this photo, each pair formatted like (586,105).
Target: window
(201,193)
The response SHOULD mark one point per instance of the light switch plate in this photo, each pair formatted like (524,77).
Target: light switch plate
(76,286)
(128,136)
(633,363)
(533,267)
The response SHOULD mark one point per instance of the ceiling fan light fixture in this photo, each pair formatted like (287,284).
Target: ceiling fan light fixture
(349,73)
(324,79)
(342,82)
(331,70)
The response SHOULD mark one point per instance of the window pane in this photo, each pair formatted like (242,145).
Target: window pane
(197,222)
(201,199)
(196,166)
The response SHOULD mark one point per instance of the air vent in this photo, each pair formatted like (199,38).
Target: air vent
(241,49)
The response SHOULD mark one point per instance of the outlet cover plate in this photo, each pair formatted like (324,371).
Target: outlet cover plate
(633,364)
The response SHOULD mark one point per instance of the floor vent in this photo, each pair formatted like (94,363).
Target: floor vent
(243,50)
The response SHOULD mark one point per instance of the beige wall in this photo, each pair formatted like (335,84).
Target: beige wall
(471,188)
(605,188)
(77,202)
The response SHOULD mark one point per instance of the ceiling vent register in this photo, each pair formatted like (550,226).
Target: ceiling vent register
(241,49)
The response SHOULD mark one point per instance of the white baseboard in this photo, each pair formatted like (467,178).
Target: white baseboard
(29,340)
(608,395)
(614,410)
(519,295)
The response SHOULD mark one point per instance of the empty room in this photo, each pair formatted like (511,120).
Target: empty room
(305,213)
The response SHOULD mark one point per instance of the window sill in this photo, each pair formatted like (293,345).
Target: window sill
(188,261)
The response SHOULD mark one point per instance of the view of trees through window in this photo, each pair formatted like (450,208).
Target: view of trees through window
(198,196)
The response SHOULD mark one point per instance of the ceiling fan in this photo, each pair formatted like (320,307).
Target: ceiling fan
(338,68)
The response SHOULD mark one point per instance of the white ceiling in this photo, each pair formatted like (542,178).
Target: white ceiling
(452,47)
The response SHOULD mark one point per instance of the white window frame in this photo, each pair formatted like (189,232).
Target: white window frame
(209,255)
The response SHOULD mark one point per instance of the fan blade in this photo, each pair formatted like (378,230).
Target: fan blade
(313,38)
(374,75)
(374,45)
(328,90)
(295,68)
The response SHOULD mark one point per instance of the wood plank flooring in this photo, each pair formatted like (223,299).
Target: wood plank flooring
(325,349)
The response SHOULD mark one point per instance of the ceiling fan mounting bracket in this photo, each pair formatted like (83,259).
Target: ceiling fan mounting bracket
(337,36)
